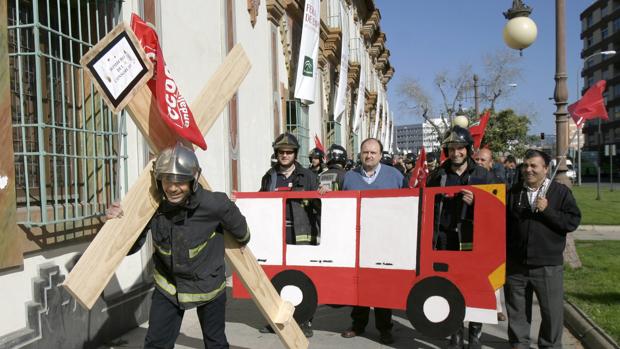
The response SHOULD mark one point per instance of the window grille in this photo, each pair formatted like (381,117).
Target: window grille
(333,133)
(68,146)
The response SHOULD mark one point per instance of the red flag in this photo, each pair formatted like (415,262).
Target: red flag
(172,106)
(318,144)
(590,106)
(477,129)
(420,171)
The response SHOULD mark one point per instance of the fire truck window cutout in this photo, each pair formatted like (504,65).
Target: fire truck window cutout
(389,232)
(453,228)
(264,217)
(303,221)
(337,237)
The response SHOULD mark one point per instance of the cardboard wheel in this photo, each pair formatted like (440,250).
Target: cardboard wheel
(297,288)
(436,307)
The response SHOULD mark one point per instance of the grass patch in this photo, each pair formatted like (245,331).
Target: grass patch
(598,212)
(594,287)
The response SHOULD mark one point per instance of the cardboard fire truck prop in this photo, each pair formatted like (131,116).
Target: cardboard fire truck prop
(376,250)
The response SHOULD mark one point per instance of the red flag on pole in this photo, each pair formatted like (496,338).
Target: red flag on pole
(590,106)
(420,171)
(172,106)
(318,144)
(477,129)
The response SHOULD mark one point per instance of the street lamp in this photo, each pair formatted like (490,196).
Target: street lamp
(520,31)
(585,61)
(560,94)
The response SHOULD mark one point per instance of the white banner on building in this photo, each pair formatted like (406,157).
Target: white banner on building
(361,101)
(308,52)
(341,94)
(383,123)
(380,106)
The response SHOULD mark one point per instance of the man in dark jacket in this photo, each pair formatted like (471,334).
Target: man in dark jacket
(317,161)
(188,237)
(454,215)
(302,216)
(540,214)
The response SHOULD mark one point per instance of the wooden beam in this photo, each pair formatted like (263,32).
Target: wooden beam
(89,276)
(279,313)
(10,248)
(97,265)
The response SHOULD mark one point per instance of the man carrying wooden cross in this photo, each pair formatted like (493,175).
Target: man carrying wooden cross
(188,237)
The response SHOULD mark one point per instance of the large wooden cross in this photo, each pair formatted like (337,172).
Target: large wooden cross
(97,265)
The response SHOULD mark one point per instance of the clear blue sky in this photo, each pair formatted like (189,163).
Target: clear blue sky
(428,36)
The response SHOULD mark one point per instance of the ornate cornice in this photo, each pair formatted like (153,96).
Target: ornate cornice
(371,25)
(378,45)
(371,101)
(387,76)
(253,6)
(295,9)
(275,10)
(353,74)
(330,43)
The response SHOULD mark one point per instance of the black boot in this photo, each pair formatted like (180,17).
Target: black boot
(456,339)
(475,332)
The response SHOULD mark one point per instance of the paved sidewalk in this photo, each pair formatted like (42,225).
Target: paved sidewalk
(243,321)
(597,232)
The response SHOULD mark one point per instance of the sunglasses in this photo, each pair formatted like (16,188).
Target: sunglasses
(286,152)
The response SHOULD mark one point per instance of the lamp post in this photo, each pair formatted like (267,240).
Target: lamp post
(585,61)
(514,34)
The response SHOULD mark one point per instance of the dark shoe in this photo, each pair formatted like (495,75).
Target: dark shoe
(306,328)
(350,333)
(266,329)
(475,332)
(501,317)
(386,337)
(456,340)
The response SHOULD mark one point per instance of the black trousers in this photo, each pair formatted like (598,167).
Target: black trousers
(547,282)
(360,316)
(165,321)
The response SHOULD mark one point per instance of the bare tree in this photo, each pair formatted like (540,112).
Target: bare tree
(500,70)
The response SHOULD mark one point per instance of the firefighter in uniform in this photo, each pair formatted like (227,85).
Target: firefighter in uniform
(188,238)
(302,216)
(317,161)
(454,215)
(333,178)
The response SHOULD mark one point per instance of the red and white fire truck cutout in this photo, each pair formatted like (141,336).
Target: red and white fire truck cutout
(376,250)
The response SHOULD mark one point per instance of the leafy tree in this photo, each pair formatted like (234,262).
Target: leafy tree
(506,132)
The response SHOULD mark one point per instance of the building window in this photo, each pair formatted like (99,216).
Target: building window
(605,73)
(604,10)
(616,25)
(589,20)
(67,143)
(589,41)
(297,124)
(604,33)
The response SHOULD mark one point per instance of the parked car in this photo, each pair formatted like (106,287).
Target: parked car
(570,173)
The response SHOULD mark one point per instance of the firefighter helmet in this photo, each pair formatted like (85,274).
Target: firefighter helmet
(316,153)
(337,155)
(177,164)
(386,159)
(459,136)
(410,158)
(285,140)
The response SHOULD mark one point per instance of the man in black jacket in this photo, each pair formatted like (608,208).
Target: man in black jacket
(302,216)
(188,238)
(454,215)
(540,214)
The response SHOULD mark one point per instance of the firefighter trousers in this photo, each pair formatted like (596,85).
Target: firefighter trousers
(165,321)
(360,316)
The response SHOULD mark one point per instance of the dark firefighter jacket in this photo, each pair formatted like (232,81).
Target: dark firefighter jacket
(188,240)
(303,216)
(539,238)
(451,213)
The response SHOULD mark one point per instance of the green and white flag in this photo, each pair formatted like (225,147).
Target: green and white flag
(308,52)
(341,94)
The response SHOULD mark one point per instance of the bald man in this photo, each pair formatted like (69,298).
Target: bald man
(484,158)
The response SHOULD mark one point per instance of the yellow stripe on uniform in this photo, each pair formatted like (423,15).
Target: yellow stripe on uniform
(162,250)
(162,282)
(201,297)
